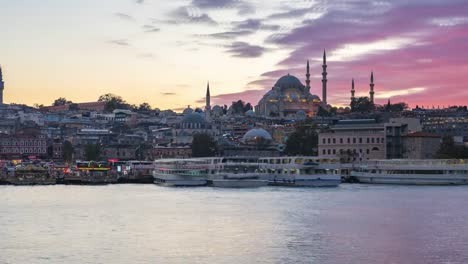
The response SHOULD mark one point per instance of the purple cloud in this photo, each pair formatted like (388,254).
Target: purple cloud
(245,50)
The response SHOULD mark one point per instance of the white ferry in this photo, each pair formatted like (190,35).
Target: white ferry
(300,172)
(184,172)
(238,172)
(412,172)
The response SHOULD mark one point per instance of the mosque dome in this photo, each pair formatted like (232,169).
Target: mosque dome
(187,111)
(194,118)
(256,134)
(289,81)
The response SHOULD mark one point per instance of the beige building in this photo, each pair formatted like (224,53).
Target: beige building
(420,145)
(353,140)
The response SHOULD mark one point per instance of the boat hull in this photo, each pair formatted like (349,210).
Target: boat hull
(402,179)
(239,183)
(307,183)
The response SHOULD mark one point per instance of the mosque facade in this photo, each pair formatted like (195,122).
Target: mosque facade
(289,98)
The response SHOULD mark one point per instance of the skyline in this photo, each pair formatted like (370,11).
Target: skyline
(164,53)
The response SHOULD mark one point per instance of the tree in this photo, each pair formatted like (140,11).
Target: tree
(362,105)
(303,141)
(144,107)
(203,145)
(448,150)
(73,107)
(323,112)
(67,149)
(61,101)
(92,151)
(113,102)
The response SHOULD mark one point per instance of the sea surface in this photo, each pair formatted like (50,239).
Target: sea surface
(151,224)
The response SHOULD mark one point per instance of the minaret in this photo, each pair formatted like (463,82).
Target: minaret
(324,78)
(207,102)
(308,77)
(2,85)
(352,91)
(371,92)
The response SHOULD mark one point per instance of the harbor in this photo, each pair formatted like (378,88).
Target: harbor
(238,172)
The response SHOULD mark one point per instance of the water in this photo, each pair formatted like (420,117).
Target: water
(152,224)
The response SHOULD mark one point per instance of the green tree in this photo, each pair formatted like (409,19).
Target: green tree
(203,145)
(303,141)
(61,101)
(113,102)
(362,105)
(448,150)
(92,152)
(67,151)
(144,107)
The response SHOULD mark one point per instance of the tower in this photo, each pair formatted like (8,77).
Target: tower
(371,92)
(352,91)
(2,85)
(308,77)
(207,101)
(324,78)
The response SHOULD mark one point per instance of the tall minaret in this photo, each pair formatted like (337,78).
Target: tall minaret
(2,85)
(352,91)
(207,101)
(324,78)
(371,92)
(308,77)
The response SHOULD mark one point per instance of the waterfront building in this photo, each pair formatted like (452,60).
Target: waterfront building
(393,139)
(171,151)
(353,140)
(23,144)
(420,145)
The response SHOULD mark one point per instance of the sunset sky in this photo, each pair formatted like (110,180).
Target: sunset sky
(164,52)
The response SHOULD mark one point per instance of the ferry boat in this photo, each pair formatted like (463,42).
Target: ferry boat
(238,172)
(91,172)
(31,174)
(299,172)
(135,171)
(412,172)
(184,172)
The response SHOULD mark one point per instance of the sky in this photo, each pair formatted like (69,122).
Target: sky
(165,52)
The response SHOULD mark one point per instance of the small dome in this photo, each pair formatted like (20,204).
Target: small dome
(187,111)
(255,134)
(194,118)
(301,115)
(250,113)
(289,81)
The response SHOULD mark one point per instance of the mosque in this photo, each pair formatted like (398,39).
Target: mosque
(289,98)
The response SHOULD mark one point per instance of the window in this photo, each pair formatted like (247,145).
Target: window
(360,140)
(354,140)
(329,141)
(323,152)
(334,141)
(367,151)
(372,140)
(334,151)
(349,141)
(324,142)
(368,141)
(377,139)
(341,141)
(328,151)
